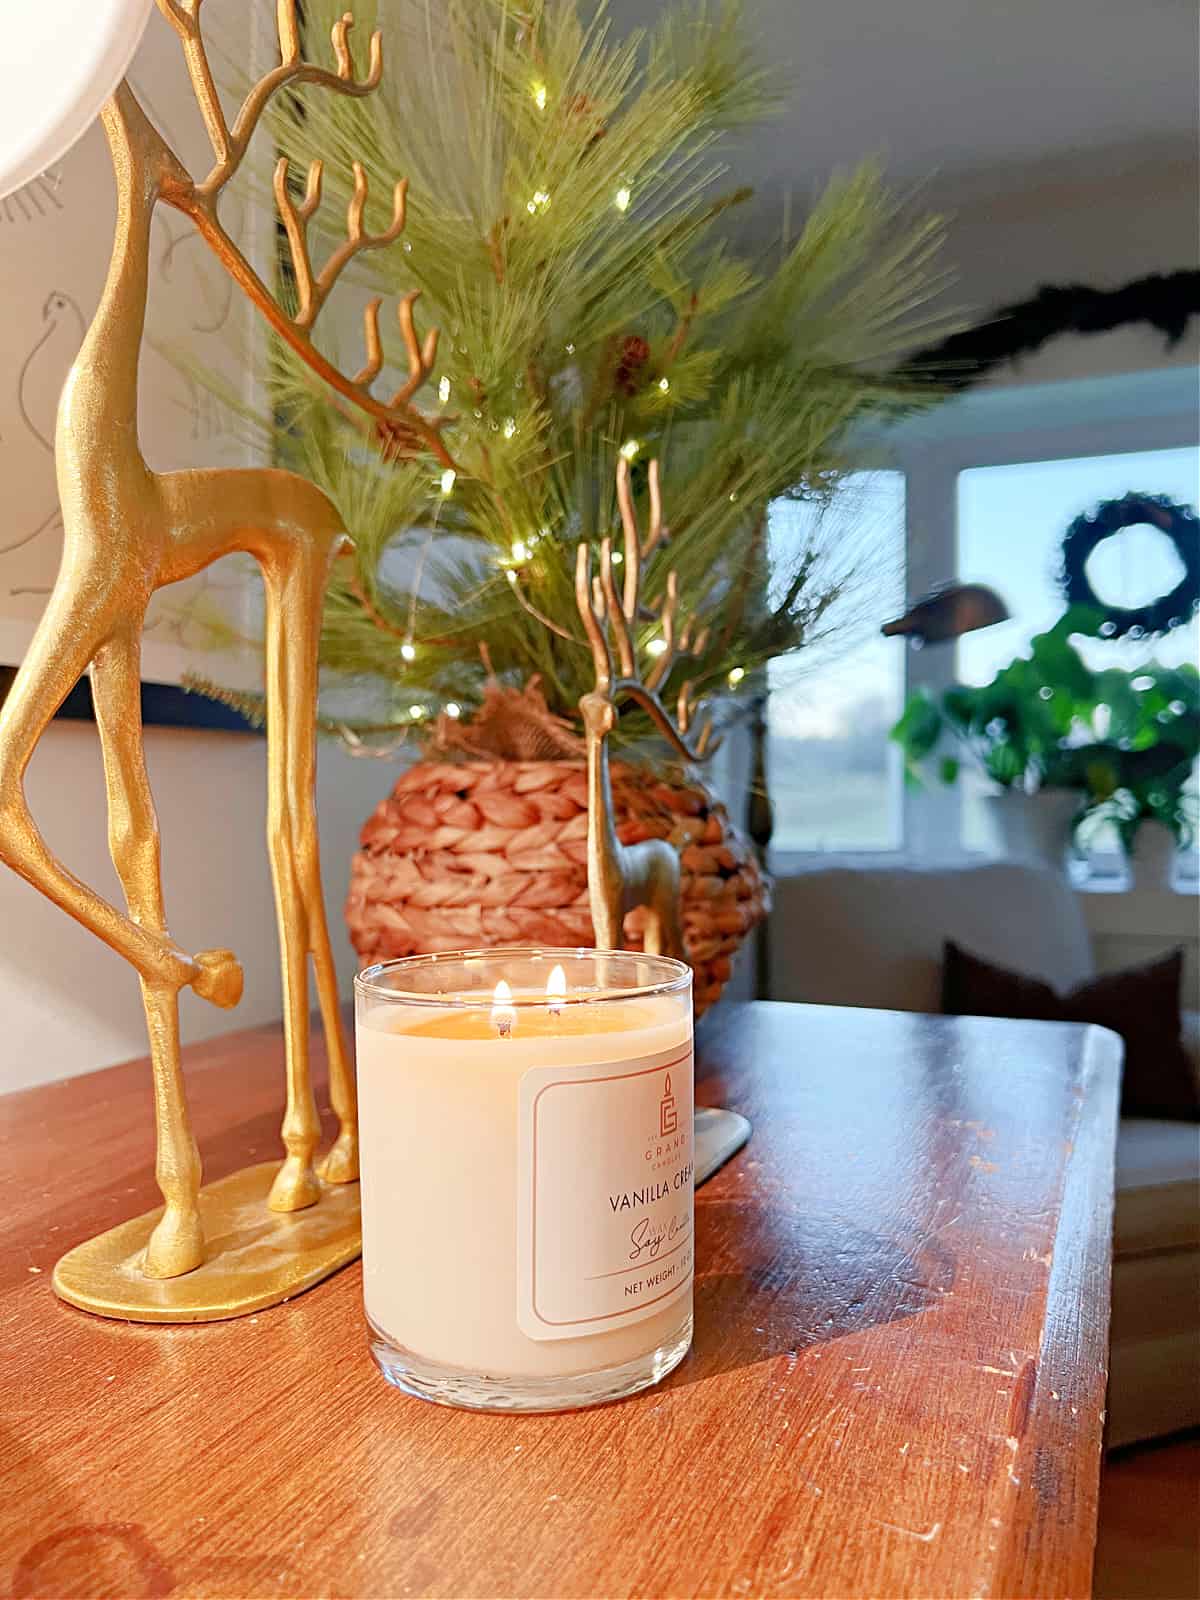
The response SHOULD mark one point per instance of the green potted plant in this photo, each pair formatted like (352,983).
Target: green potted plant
(1062,743)
(1017,731)
(1141,777)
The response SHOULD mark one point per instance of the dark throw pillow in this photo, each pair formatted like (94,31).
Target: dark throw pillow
(1140,1003)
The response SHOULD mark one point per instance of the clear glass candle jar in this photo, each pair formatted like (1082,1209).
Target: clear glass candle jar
(527,1174)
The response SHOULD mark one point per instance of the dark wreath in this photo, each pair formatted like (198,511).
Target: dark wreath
(1167,301)
(1181,526)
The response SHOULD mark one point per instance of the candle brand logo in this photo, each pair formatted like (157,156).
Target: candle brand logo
(668,1117)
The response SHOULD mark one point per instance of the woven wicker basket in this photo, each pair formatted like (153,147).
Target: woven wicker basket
(470,854)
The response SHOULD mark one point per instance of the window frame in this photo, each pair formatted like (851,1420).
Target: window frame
(996,426)
(781,862)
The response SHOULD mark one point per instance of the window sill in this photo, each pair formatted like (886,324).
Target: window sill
(1111,887)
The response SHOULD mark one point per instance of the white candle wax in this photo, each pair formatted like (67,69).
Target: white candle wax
(444,1170)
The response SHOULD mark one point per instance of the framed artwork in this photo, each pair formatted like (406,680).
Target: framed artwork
(55,241)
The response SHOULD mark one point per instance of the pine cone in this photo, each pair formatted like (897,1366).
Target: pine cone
(634,352)
(581,108)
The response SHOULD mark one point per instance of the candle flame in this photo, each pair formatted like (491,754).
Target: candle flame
(556,989)
(503,1012)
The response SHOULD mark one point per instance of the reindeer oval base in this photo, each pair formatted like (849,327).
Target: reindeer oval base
(256,1257)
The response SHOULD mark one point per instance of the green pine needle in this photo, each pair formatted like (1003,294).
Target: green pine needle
(565,227)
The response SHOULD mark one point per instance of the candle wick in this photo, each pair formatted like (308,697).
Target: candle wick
(556,992)
(503,1015)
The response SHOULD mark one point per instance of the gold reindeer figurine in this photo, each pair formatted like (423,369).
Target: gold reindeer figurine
(129,531)
(621,876)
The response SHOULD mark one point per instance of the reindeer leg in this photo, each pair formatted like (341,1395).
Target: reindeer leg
(177,1243)
(340,1164)
(671,937)
(664,931)
(73,628)
(341,1160)
(303,603)
(291,703)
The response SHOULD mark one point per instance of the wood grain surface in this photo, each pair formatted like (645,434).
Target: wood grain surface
(896,1387)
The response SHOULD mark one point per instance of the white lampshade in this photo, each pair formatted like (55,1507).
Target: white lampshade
(60,60)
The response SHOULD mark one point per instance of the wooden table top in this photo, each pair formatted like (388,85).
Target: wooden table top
(896,1387)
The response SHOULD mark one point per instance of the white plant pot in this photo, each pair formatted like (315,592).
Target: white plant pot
(1034,827)
(1152,856)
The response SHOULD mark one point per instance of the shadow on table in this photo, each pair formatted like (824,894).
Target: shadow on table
(817,1280)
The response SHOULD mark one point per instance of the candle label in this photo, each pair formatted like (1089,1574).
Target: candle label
(605,1186)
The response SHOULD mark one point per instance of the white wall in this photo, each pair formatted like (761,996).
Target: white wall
(1101,218)
(68,1003)
(1099,222)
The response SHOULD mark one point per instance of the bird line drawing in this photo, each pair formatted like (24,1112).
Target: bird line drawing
(44,368)
(62,315)
(219,295)
(39,380)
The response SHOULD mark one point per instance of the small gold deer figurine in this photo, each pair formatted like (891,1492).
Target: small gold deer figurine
(128,531)
(620,876)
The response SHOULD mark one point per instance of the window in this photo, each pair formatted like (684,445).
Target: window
(1011,520)
(834,774)
(987,485)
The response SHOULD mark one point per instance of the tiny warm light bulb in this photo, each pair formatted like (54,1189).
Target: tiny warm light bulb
(736,675)
(408,650)
(520,551)
(510,427)
(453,709)
(617,558)
(504,1013)
(664,384)
(444,390)
(556,989)
(539,95)
(622,198)
(446,482)
(416,712)
(656,646)
(512,577)
(540,202)
(630,448)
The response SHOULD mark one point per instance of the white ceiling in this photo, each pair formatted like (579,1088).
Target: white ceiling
(939,88)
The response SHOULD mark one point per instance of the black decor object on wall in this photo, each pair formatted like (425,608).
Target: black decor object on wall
(164,705)
(1166,301)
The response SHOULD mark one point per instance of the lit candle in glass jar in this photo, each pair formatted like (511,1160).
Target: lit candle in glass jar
(527,1173)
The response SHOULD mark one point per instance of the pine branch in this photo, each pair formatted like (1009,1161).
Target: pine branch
(565,225)
(246,703)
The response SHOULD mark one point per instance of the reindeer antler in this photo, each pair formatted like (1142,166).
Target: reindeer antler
(397,417)
(230,144)
(605,615)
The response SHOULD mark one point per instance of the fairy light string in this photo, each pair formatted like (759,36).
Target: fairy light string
(585,306)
